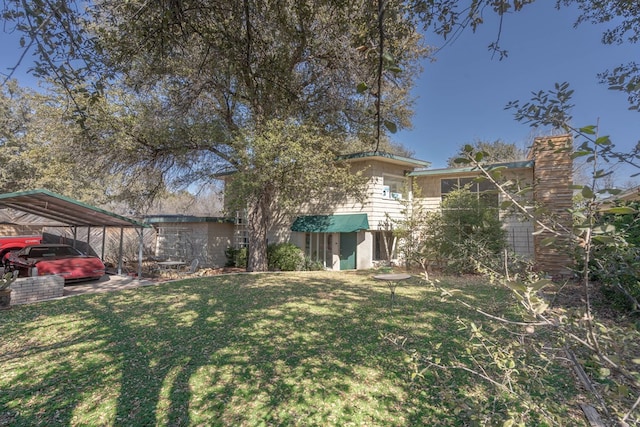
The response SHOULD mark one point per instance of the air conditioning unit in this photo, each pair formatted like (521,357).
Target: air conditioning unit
(386,192)
(396,196)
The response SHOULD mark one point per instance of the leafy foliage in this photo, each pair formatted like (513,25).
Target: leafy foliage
(465,234)
(494,152)
(236,257)
(285,257)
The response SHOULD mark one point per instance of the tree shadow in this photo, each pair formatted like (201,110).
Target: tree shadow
(279,349)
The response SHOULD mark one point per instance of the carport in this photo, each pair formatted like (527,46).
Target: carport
(47,209)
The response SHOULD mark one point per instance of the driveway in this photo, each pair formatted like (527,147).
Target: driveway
(107,283)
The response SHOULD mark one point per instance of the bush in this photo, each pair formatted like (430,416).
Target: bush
(311,265)
(472,231)
(236,257)
(285,257)
(615,261)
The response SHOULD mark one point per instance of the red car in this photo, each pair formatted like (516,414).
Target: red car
(62,260)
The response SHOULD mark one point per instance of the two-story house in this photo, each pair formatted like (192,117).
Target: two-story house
(358,235)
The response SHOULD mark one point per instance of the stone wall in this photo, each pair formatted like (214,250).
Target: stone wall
(32,289)
(553,178)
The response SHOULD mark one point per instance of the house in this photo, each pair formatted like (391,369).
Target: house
(358,234)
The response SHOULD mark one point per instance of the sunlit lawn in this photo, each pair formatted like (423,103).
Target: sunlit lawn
(273,349)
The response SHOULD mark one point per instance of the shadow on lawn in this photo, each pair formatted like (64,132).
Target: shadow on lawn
(227,350)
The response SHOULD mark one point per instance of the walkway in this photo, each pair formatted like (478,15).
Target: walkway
(107,283)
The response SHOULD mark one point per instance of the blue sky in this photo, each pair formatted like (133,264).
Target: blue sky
(460,97)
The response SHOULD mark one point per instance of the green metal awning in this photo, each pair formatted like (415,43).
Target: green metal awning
(331,223)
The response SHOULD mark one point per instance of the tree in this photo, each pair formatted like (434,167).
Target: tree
(36,147)
(497,151)
(214,76)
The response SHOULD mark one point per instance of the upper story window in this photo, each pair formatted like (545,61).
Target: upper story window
(483,188)
(392,187)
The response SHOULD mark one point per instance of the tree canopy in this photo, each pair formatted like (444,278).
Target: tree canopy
(497,151)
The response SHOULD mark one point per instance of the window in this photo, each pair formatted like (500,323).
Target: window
(484,189)
(392,187)
(317,247)
(383,246)
(175,242)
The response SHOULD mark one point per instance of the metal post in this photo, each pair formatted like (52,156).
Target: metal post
(120,251)
(140,232)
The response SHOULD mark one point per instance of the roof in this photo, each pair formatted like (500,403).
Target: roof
(62,211)
(388,157)
(161,219)
(450,171)
(331,223)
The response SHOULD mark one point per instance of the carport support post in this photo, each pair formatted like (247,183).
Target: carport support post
(88,238)
(104,241)
(120,251)
(141,234)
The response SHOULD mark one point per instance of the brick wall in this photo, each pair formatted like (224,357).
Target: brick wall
(553,177)
(32,289)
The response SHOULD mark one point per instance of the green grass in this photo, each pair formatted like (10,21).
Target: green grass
(312,349)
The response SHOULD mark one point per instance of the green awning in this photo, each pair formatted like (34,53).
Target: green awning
(331,223)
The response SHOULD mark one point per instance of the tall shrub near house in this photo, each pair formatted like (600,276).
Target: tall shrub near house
(465,233)
(472,231)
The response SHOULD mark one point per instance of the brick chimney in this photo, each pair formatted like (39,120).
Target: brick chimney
(552,178)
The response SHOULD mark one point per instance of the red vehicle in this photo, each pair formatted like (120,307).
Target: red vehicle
(15,243)
(62,260)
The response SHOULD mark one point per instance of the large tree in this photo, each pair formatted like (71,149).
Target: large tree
(192,88)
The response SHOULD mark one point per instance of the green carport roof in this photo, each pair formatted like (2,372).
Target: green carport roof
(331,223)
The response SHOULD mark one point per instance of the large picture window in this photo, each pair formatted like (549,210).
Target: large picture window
(484,189)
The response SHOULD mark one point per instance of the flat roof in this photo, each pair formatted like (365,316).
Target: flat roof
(63,211)
(450,171)
(388,157)
(161,219)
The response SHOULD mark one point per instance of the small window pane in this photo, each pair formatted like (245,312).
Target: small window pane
(448,185)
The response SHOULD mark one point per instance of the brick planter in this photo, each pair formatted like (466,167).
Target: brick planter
(32,289)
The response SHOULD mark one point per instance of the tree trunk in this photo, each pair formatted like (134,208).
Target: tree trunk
(258,214)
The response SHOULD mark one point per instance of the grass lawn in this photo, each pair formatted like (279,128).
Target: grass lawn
(308,349)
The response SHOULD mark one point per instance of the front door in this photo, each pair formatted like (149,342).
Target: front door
(348,243)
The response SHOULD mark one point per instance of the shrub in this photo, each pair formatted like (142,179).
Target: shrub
(472,232)
(285,257)
(236,257)
(313,265)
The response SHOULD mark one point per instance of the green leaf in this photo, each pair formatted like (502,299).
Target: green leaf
(589,130)
(621,210)
(603,140)
(577,154)
(604,239)
(362,87)
(463,160)
(391,126)
(540,284)
(587,192)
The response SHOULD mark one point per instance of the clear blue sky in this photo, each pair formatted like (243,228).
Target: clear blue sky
(460,97)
